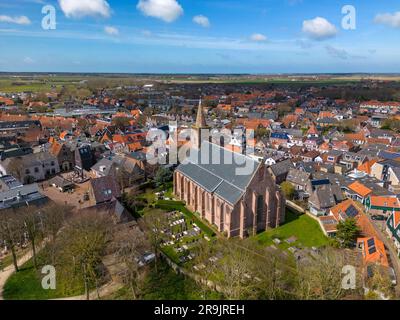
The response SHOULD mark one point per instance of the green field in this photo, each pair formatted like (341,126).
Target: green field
(305,229)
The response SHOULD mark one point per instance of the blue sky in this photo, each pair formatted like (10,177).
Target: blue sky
(200,36)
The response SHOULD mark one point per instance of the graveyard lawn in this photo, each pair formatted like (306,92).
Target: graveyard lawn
(305,229)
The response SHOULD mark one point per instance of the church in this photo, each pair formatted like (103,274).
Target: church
(231,191)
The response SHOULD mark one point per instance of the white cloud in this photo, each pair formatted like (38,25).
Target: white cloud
(82,8)
(28,60)
(202,21)
(16,20)
(167,10)
(112,31)
(390,19)
(319,28)
(258,37)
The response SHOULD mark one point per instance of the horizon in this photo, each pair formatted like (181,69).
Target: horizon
(208,37)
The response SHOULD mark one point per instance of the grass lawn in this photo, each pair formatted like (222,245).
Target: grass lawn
(26,285)
(305,229)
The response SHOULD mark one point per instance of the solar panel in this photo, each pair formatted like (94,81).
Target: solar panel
(371,242)
(372,250)
(351,212)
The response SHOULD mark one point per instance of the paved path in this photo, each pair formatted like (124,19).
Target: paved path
(9,270)
(104,291)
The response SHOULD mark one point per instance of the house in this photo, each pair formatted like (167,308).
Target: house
(394,179)
(393,229)
(125,169)
(31,167)
(340,212)
(311,156)
(104,189)
(381,205)
(62,184)
(358,191)
(373,251)
(299,179)
(323,196)
(380,170)
(83,158)
(332,156)
(64,154)
(280,170)
(22,195)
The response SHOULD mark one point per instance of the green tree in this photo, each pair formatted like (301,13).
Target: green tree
(288,190)
(347,233)
(163,175)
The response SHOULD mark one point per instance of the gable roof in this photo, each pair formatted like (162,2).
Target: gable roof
(385,202)
(223,178)
(344,210)
(373,251)
(105,189)
(360,189)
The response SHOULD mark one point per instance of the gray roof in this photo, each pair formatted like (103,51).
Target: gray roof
(298,177)
(21,196)
(220,177)
(282,167)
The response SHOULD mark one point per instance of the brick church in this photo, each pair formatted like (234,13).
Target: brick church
(231,191)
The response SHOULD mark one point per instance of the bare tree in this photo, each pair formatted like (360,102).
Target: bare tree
(155,223)
(53,218)
(11,232)
(129,245)
(84,240)
(33,228)
(320,276)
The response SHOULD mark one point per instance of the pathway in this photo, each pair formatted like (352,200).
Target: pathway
(9,270)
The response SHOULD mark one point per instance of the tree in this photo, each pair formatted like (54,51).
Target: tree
(83,241)
(288,190)
(34,229)
(129,245)
(163,175)
(320,276)
(347,233)
(11,232)
(53,218)
(155,222)
(243,270)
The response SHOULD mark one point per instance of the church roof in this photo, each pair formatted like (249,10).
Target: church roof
(227,178)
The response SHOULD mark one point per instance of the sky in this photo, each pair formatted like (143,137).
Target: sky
(200,36)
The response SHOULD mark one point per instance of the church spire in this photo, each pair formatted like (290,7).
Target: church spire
(200,120)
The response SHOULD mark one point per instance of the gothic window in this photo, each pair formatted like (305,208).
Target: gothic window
(260,207)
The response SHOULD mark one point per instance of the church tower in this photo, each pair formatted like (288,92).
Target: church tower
(199,126)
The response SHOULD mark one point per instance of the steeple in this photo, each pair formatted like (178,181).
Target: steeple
(199,126)
(200,120)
